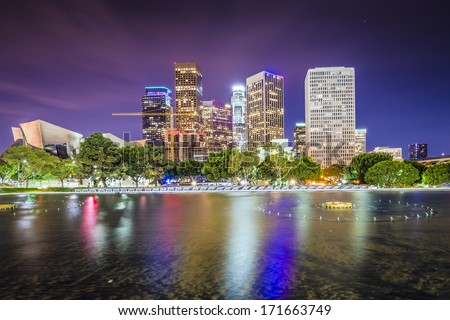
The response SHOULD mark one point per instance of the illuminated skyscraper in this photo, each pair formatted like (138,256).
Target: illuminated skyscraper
(300,139)
(360,141)
(330,115)
(156,100)
(239,105)
(418,151)
(265,108)
(217,124)
(188,96)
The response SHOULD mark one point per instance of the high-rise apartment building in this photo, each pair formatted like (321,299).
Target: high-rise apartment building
(265,108)
(239,106)
(360,141)
(330,115)
(156,108)
(188,96)
(300,139)
(217,125)
(418,151)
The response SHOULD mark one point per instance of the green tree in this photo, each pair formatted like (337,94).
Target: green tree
(419,166)
(42,163)
(134,162)
(99,157)
(157,165)
(6,171)
(277,165)
(363,161)
(332,174)
(242,164)
(63,169)
(29,162)
(156,169)
(265,171)
(216,167)
(189,169)
(282,164)
(391,173)
(437,174)
(305,169)
(19,157)
(349,175)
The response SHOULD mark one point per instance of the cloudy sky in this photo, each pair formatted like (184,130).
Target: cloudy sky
(73,63)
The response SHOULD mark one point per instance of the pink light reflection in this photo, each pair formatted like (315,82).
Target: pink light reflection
(88,223)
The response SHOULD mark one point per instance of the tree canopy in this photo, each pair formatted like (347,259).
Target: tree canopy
(437,174)
(391,173)
(333,174)
(216,167)
(189,169)
(361,163)
(99,157)
(29,161)
(419,166)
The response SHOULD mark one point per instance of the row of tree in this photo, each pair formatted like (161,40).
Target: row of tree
(379,169)
(100,160)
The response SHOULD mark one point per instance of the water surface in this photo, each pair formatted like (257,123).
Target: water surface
(245,245)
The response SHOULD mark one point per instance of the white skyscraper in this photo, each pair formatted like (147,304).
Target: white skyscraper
(239,105)
(330,115)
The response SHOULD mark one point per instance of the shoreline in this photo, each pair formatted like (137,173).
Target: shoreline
(186,190)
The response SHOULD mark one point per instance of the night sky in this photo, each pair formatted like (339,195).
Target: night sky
(73,63)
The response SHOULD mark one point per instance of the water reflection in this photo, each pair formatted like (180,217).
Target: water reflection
(90,232)
(230,246)
(243,248)
(277,262)
(204,230)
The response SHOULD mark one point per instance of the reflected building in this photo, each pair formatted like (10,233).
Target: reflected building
(265,108)
(156,118)
(240,130)
(330,115)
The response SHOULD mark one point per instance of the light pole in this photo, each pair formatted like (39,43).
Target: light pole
(18,175)
(24,163)
(18,171)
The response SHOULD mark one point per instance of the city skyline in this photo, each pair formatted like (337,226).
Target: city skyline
(76,63)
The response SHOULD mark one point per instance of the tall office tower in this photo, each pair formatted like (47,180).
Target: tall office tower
(217,124)
(300,139)
(265,108)
(239,105)
(188,95)
(418,151)
(330,115)
(360,141)
(157,101)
